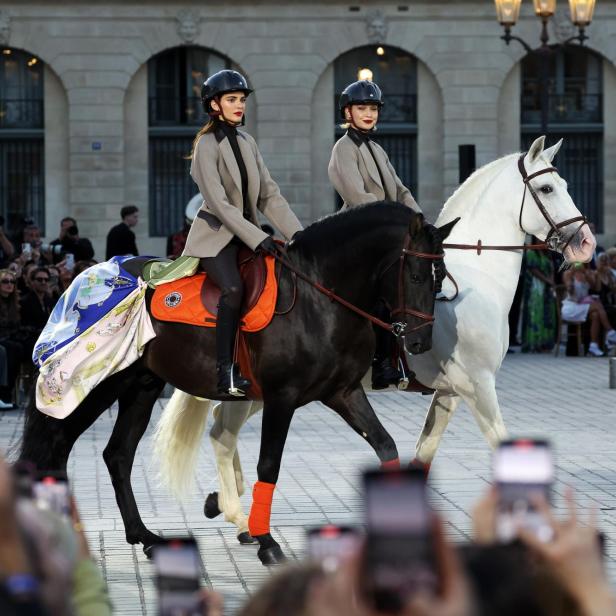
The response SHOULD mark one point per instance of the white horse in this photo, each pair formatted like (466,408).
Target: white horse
(497,205)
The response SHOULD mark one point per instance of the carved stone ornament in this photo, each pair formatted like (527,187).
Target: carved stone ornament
(376,26)
(562,26)
(5,28)
(188,25)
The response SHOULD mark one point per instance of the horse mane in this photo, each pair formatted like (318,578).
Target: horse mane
(459,203)
(332,229)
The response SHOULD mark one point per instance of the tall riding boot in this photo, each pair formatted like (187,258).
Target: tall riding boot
(230,381)
(384,373)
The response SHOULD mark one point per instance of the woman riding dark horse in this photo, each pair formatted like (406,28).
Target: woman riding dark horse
(233,179)
(361,173)
(318,349)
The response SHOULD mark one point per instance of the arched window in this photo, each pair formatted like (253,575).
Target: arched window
(22,170)
(575,113)
(175,114)
(395,71)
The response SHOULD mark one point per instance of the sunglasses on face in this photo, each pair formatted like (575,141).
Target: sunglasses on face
(7,281)
(42,279)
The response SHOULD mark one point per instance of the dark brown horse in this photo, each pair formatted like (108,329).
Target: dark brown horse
(320,350)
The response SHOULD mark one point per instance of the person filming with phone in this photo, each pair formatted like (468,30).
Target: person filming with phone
(69,242)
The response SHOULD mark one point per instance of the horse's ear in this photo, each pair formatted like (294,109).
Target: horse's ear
(535,150)
(550,153)
(445,230)
(416,224)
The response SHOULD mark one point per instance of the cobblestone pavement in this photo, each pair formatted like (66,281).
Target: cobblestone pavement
(565,399)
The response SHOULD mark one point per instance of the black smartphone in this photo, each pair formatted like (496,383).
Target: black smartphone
(52,492)
(178,573)
(399,555)
(24,474)
(523,469)
(331,545)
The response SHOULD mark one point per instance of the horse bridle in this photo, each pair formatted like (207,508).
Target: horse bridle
(398,329)
(554,239)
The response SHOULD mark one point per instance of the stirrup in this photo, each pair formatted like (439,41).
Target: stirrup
(403,383)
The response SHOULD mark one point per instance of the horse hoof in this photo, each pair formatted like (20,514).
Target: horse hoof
(271,556)
(421,466)
(245,538)
(211,508)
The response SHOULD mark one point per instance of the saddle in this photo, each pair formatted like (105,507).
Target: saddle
(194,300)
(254,274)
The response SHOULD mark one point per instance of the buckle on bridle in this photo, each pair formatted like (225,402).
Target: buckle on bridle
(398,329)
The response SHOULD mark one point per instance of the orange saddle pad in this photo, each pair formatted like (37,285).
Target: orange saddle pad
(180,301)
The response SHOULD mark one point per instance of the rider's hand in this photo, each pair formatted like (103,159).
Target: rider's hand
(268,245)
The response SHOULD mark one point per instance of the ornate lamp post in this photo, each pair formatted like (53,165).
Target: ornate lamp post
(507,13)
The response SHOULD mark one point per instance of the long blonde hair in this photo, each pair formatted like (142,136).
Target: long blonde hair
(206,128)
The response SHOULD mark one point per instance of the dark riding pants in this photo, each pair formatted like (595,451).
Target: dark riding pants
(224,271)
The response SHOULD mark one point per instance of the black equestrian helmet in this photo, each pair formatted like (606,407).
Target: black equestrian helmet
(362,92)
(220,83)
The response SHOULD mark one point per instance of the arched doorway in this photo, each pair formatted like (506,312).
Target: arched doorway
(174,116)
(22,166)
(575,113)
(396,73)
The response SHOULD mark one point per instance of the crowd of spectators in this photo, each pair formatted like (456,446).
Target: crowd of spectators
(46,568)
(585,293)
(33,275)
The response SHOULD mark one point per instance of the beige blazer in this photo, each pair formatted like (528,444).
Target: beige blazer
(220,217)
(354,174)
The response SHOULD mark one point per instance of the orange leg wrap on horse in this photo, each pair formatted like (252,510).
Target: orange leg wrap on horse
(391,464)
(259,519)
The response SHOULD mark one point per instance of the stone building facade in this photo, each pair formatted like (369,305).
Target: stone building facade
(98,138)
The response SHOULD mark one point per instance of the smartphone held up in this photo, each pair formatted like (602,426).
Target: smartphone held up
(523,472)
(178,574)
(399,553)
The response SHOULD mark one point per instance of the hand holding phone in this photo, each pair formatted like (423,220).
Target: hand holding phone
(523,471)
(332,545)
(178,573)
(399,555)
(52,492)
(69,261)
(26,248)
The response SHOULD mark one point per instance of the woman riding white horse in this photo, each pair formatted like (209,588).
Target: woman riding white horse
(499,204)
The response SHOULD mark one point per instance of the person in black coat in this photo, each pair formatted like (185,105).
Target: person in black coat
(36,306)
(120,239)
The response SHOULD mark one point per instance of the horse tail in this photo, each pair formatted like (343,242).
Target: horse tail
(177,437)
(33,434)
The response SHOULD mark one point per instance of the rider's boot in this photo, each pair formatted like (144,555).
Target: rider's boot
(230,381)
(383,373)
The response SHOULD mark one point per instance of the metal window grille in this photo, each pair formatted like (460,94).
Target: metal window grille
(580,163)
(22,180)
(171,186)
(175,113)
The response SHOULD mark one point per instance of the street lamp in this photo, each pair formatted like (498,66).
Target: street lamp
(507,13)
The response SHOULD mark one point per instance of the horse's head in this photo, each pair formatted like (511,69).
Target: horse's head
(409,284)
(547,210)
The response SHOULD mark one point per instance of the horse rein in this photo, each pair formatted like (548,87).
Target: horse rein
(554,239)
(398,329)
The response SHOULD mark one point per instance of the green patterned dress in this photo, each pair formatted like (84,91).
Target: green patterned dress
(539,305)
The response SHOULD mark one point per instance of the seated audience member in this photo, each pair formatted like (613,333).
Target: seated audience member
(69,242)
(54,283)
(36,305)
(579,305)
(11,334)
(606,282)
(7,250)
